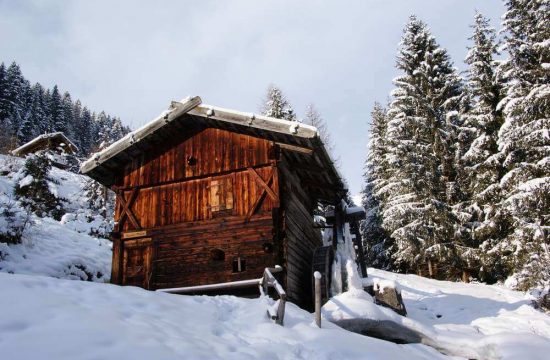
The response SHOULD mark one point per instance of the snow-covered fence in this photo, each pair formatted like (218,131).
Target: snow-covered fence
(277,311)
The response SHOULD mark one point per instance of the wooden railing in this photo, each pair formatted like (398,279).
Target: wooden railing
(275,312)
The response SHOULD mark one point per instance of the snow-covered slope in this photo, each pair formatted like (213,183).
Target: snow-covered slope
(469,320)
(61,249)
(46,318)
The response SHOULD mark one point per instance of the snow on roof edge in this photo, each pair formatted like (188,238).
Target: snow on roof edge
(41,137)
(203,110)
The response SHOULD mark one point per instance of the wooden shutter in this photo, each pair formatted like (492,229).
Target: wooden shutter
(221,194)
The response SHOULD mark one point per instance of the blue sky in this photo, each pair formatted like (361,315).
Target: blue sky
(131,58)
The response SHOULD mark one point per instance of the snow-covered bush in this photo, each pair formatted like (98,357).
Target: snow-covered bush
(33,188)
(13,221)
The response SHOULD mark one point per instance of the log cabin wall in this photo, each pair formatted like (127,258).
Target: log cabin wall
(301,238)
(196,211)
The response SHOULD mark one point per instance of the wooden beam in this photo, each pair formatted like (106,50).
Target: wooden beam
(262,183)
(255,121)
(299,149)
(126,211)
(258,201)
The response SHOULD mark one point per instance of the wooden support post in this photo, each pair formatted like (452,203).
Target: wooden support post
(465,276)
(317,276)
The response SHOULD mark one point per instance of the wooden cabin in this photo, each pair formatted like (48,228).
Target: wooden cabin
(206,195)
(56,142)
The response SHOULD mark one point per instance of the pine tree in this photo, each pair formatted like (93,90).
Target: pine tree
(68,116)
(14,97)
(26,112)
(421,123)
(4,109)
(85,131)
(375,238)
(57,118)
(33,190)
(524,143)
(276,105)
(484,224)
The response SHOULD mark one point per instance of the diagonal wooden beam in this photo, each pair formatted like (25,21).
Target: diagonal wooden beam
(126,211)
(258,201)
(262,183)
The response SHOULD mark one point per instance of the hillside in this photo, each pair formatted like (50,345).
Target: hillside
(61,249)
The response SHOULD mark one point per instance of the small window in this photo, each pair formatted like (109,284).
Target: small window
(217,255)
(221,195)
(239,265)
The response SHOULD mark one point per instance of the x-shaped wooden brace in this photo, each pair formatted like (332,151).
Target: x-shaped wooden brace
(126,211)
(266,190)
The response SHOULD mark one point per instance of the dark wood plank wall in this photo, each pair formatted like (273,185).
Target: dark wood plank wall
(191,201)
(185,258)
(183,222)
(207,151)
(300,237)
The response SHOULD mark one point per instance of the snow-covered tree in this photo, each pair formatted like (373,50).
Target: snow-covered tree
(420,137)
(524,140)
(375,238)
(478,208)
(57,116)
(276,105)
(33,190)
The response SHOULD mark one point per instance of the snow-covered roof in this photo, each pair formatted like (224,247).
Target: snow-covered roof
(186,113)
(35,143)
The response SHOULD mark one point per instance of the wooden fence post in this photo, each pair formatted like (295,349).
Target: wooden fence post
(317,276)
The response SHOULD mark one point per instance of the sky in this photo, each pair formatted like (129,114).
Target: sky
(131,58)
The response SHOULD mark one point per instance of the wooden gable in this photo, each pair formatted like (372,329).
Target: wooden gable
(211,174)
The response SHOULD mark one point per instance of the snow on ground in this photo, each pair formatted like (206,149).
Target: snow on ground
(60,249)
(46,318)
(49,248)
(469,320)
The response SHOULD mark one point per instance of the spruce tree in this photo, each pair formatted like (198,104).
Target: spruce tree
(67,125)
(524,143)
(375,238)
(33,190)
(56,114)
(14,97)
(422,118)
(4,108)
(276,105)
(484,223)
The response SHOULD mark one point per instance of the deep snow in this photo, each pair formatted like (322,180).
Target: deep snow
(46,318)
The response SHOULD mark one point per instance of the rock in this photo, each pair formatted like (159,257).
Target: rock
(388,295)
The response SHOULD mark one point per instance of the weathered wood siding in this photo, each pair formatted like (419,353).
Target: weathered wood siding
(184,258)
(301,238)
(204,152)
(191,200)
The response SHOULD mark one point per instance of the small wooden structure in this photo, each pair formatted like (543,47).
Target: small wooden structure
(210,196)
(56,142)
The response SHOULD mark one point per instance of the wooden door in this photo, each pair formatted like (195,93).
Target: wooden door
(137,260)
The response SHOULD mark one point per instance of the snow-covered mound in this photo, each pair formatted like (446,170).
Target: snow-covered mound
(46,318)
(48,247)
(468,320)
